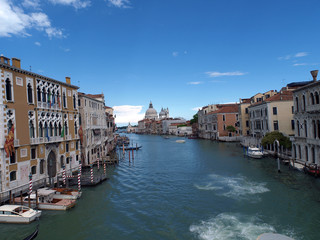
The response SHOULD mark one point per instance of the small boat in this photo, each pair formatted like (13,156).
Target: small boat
(180,141)
(33,235)
(132,148)
(17,214)
(273,236)
(254,152)
(66,193)
(47,200)
(312,169)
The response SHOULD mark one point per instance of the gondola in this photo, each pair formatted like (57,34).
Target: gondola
(132,148)
(33,235)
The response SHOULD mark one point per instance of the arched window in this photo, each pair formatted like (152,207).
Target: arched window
(298,128)
(66,128)
(297,104)
(53,100)
(64,100)
(50,130)
(40,129)
(44,95)
(45,130)
(55,129)
(74,102)
(39,94)
(317,97)
(313,155)
(307,154)
(312,98)
(318,127)
(305,128)
(75,128)
(304,102)
(8,90)
(13,157)
(33,170)
(41,166)
(59,129)
(13,176)
(29,90)
(31,129)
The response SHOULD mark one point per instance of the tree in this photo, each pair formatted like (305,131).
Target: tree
(194,119)
(269,138)
(231,128)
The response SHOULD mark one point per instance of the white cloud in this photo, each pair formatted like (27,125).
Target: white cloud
(31,4)
(296,55)
(175,54)
(14,21)
(196,108)
(194,83)
(75,3)
(221,74)
(37,43)
(128,113)
(120,3)
(299,64)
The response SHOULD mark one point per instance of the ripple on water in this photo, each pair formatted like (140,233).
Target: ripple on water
(233,187)
(230,226)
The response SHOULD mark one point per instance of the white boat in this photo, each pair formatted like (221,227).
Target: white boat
(17,214)
(254,152)
(46,200)
(180,141)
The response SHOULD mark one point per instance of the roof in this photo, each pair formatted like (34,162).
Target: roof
(9,207)
(298,84)
(108,107)
(281,96)
(36,75)
(95,95)
(245,100)
(311,84)
(92,96)
(228,108)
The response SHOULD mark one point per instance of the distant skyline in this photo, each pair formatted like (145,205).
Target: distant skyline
(181,54)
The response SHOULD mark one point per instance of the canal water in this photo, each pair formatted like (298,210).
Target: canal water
(193,190)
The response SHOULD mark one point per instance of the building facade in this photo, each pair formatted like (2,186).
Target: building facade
(306,144)
(40,115)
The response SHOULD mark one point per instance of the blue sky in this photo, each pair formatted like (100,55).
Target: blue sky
(180,54)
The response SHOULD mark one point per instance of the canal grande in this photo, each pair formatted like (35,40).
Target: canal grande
(194,190)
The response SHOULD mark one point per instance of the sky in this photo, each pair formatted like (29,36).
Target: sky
(180,54)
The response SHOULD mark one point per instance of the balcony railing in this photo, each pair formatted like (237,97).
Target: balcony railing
(47,105)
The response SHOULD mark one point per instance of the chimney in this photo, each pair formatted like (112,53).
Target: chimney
(68,80)
(16,62)
(4,60)
(314,74)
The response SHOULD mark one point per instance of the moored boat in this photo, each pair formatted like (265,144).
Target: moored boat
(133,148)
(66,193)
(18,214)
(254,152)
(46,200)
(312,169)
(180,141)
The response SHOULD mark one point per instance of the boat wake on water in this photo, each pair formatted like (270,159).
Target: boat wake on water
(238,187)
(232,227)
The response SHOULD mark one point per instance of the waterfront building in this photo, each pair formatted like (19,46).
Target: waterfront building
(306,143)
(96,127)
(168,121)
(39,127)
(244,119)
(131,129)
(184,131)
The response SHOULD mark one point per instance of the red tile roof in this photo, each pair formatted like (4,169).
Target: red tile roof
(228,108)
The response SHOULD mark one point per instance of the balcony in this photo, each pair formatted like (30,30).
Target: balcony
(46,105)
(46,140)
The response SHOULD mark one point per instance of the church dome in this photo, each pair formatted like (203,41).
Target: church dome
(151,113)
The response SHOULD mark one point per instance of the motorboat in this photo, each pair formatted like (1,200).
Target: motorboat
(18,214)
(312,169)
(180,141)
(66,193)
(46,200)
(254,152)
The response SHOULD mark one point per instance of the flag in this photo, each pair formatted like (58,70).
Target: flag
(62,132)
(9,144)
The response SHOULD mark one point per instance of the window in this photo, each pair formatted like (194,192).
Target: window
(31,129)
(307,155)
(304,102)
(292,124)
(237,117)
(9,125)
(33,170)
(44,95)
(275,110)
(67,160)
(224,127)
(29,90)
(61,162)
(66,128)
(40,130)
(13,157)
(292,109)
(64,101)
(79,102)
(67,147)
(275,125)
(305,128)
(297,104)
(223,117)
(77,157)
(8,90)
(247,110)
(77,145)
(317,97)
(74,102)
(39,94)
(298,128)
(41,166)
(13,176)
(75,128)
(312,98)
(247,123)
(33,153)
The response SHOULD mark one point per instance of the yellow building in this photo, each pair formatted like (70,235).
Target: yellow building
(43,115)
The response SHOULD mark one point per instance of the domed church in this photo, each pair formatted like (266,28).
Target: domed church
(151,113)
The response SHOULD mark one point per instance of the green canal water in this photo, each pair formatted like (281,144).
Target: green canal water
(194,190)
